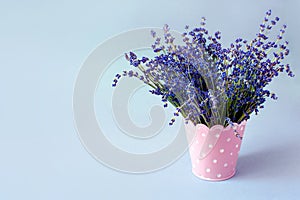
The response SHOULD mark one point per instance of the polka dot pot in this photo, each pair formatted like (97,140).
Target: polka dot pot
(214,152)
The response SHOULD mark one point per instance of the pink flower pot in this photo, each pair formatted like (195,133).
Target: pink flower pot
(214,152)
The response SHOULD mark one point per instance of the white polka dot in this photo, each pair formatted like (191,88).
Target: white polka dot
(197,161)
(210,146)
(203,134)
(217,135)
(207,170)
(225,165)
(219,175)
(221,150)
(228,139)
(242,128)
(215,161)
(237,146)
(231,153)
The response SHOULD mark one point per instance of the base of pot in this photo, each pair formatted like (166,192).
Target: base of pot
(214,179)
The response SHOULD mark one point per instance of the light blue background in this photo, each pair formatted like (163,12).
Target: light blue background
(42,46)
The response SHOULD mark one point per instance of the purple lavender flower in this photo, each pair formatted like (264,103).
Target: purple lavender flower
(208,83)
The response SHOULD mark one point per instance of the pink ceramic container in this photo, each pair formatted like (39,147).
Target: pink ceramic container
(214,152)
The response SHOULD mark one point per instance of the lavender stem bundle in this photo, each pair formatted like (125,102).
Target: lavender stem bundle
(210,84)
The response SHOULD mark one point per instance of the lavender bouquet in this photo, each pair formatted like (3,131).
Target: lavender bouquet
(207,83)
